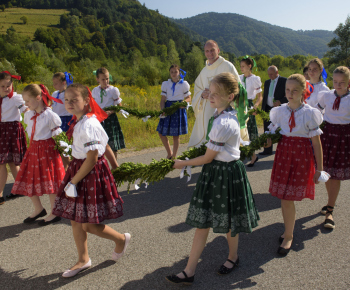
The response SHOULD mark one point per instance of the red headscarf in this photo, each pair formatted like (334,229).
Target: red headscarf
(46,96)
(13,77)
(95,109)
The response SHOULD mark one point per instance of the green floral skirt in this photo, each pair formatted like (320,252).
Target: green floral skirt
(251,125)
(223,199)
(114,132)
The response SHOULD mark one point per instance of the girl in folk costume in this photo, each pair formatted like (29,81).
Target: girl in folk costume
(223,199)
(42,169)
(174,90)
(293,174)
(106,95)
(60,82)
(252,84)
(316,72)
(88,194)
(336,137)
(12,137)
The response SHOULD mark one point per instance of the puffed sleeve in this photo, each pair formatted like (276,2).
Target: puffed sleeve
(186,89)
(20,104)
(274,113)
(257,85)
(93,136)
(321,104)
(164,89)
(116,96)
(95,93)
(54,123)
(222,130)
(315,120)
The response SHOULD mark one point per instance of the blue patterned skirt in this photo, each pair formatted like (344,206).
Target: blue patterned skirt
(65,120)
(173,125)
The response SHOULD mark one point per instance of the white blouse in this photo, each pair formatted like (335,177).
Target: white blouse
(11,108)
(307,121)
(253,87)
(313,99)
(47,124)
(326,101)
(182,90)
(225,137)
(111,96)
(88,135)
(58,108)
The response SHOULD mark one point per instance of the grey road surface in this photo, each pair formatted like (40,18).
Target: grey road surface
(34,258)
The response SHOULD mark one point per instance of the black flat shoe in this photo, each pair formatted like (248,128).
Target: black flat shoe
(43,223)
(175,279)
(2,200)
(11,196)
(252,164)
(224,270)
(30,220)
(282,251)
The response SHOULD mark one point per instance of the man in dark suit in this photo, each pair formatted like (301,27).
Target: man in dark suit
(274,96)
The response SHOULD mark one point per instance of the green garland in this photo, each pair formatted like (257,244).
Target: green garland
(144,113)
(62,137)
(265,116)
(155,171)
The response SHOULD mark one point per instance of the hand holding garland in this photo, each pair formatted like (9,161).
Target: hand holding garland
(265,116)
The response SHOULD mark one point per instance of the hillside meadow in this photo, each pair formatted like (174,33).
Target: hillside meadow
(37,18)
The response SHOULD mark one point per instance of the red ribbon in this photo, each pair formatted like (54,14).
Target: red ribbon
(46,96)
(336,103)
(33,128)
(13,77)
(95,109)
(291,122)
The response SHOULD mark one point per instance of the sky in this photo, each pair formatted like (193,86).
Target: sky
(294,14)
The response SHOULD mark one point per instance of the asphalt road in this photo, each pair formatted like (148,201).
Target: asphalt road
(34,258)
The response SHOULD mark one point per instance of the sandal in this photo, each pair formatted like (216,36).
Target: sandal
(177,280)
(324,210)
(224,270)
(328,223)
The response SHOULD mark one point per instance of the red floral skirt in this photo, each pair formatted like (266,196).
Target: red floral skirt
(293,169)
(41,171)
(13,142)
(97,199)
(336,150)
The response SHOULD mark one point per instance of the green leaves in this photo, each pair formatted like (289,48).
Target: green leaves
(265,116)
(59,147)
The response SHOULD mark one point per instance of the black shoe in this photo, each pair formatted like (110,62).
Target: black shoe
(328,223)
(175,279)
(282,251)
(265,153)
(252,164)
(2,200)
(43,223)
(224,270)
(30,220)
(11,196)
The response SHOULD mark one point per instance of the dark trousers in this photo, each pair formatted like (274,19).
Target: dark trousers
(266,124)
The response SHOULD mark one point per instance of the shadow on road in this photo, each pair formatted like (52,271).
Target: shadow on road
(255,250)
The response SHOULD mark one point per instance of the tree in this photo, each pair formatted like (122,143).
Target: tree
(340,52)
(24,19)
(173,55)
(2,7)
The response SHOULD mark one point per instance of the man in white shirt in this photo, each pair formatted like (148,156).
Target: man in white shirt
(274,96)
(215,65)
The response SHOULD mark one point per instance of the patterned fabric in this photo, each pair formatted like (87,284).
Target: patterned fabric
(98,198)
(13,142)
(91,143)
(174,125)
(293,169)
(223,199)
(336,150)
(114,132)
(217,143)
(65,120)
(251,125)
(41,171)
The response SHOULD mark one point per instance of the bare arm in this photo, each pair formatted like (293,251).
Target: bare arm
(162,102)
(204,159)
(259,100)
(86,167)
(316,144)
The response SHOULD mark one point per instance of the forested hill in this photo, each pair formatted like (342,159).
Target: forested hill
(243,35)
